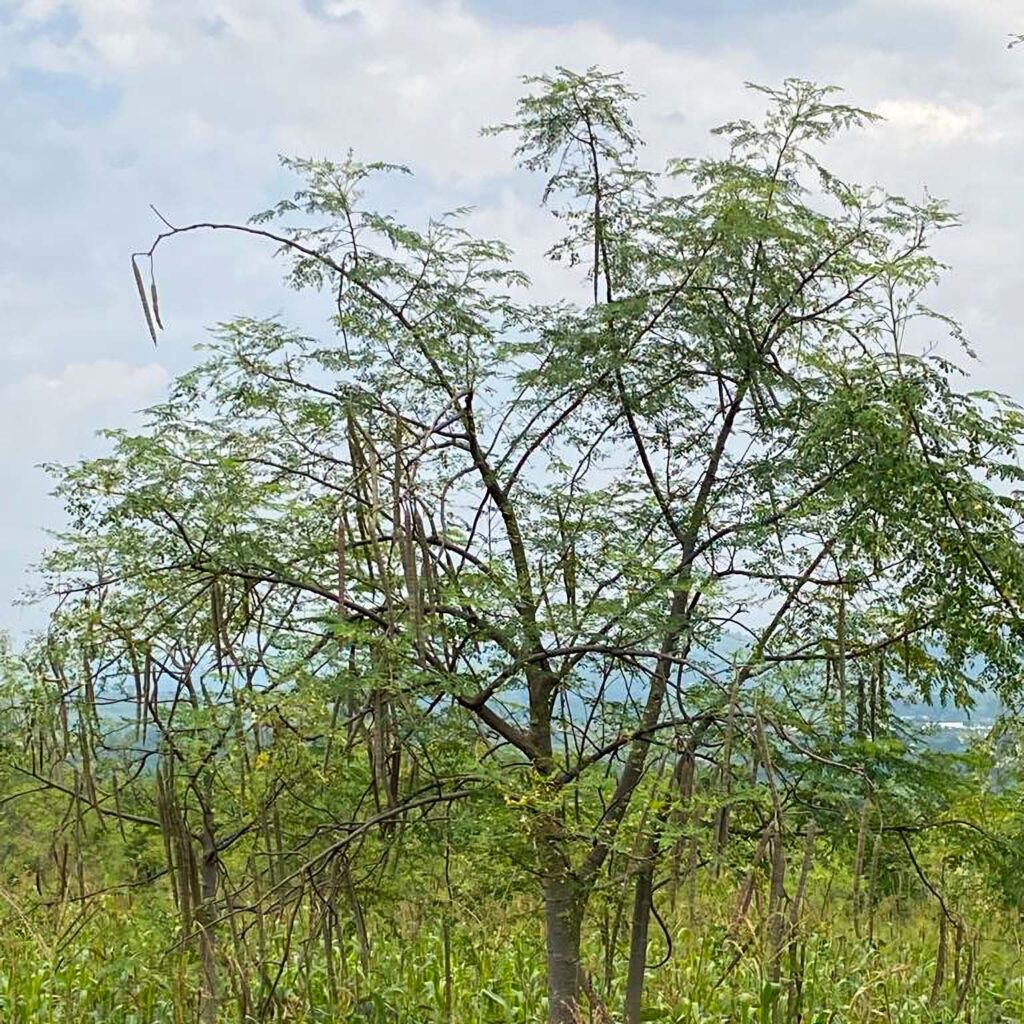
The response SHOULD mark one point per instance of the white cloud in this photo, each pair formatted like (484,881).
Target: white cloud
(999,13)
(47,417)
(912,122)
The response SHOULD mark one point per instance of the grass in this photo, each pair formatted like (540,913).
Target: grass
(117,962)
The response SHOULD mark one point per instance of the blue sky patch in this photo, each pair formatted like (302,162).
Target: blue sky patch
(66,97)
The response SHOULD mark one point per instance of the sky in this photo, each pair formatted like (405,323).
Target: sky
(108,106)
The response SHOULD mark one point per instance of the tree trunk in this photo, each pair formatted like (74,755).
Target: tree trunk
(563,913)
(206,916)
(638,939)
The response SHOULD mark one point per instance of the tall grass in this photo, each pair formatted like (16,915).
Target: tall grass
(117,961)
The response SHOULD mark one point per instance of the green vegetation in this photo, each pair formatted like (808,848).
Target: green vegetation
(494,660)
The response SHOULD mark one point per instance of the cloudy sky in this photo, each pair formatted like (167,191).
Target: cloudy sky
(107,106)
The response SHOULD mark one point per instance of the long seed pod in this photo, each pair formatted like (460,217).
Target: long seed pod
(872,881)
(567,561)
(163,815)
(116,787)
(841,658)
(89,782)
(140,702)
(148,690)
(940,961)
(858,865)
(143,299)
(776,894)
(217,622)
(796,907)
(371,459)
(342,566)
(155,300)
(396,485)
(747,889)
(412,582)
(797,950)
(724,780)
(79,837)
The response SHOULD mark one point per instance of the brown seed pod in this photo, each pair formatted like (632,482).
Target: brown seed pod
(156,303)
(142,298)
(342,567)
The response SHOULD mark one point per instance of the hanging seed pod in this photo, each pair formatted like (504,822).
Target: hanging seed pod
(858,865)
(428,571)
(776,894)
(354,446)
(342,566)
(140,702)
(115,786)
(142,298)
(163,815)
(841,657)
(396,481)
(747,889)
(156,302)
(373,466)
(85,758)
(149,689)
(217,622)
(796,906)
(412,581)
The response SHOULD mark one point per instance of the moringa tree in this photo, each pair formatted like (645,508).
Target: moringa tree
(600,529)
